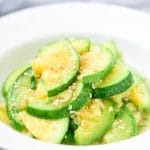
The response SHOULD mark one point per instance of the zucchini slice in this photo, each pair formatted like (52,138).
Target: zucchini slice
(144,123)
(93,121)
(123,127)
(121,98)
(18,97)
(51,131)
(10,79)
(95,65)
(57,68)
(140,92)
(81,45)
(117,81)
(126,95)
(112,47)
(135,112)
(140,96)
(4,118)
(59,106)
(3,113)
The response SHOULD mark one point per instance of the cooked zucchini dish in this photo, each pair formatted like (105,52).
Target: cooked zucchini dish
(77,92)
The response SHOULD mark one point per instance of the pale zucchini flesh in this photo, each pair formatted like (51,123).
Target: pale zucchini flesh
(51,131)
(124,127)
(10,79)
(140,96)
(93,121)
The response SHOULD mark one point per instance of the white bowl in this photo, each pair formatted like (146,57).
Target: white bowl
(22,33)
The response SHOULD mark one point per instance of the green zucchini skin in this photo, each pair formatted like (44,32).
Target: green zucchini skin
(47,114)
(33,83)
(57,112)
(108,46)
(16,124)
(69,137)
(82,98)
(12,101)
(92,78)
(103,92)
(51,131)
(124,127)
(10,79)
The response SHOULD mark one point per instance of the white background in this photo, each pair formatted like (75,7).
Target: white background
(8,6)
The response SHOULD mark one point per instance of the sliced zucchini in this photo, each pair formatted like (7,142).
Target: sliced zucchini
(51,131)
(118,81)
(82,45)
(121,98)
(112,47)
(123,127)
(3,113)
(127,95)
(93,121)
(57,68)
(135,112)
(140,96)
(144,124)
(10,79)
(95,65)
(18,97)
(61,105)
(69,137)
(4,118)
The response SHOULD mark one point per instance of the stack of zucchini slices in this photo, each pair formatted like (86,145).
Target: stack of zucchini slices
(76,92)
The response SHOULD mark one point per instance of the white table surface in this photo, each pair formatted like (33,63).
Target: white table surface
(8,6)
